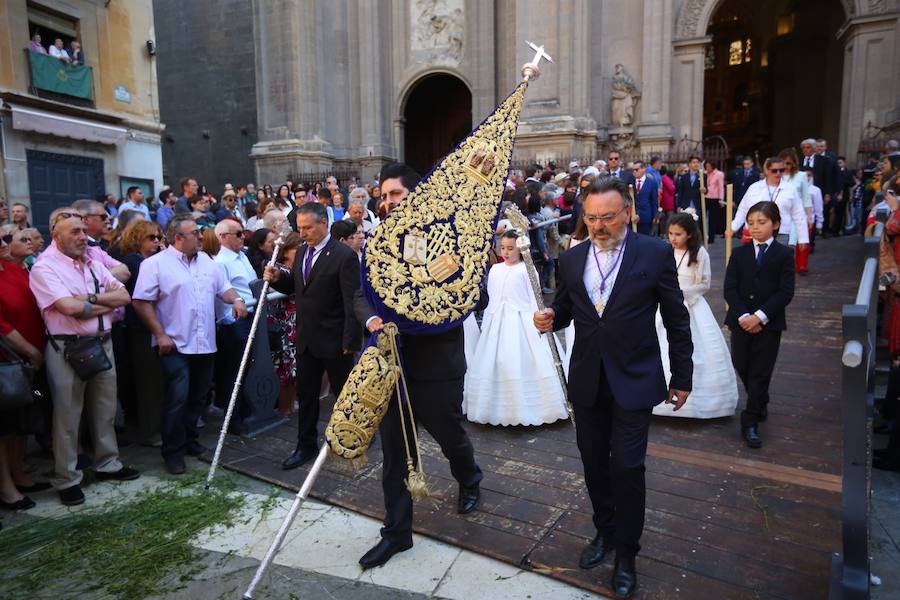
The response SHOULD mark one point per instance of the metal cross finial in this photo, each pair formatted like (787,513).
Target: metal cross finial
(531,70)
(539,54)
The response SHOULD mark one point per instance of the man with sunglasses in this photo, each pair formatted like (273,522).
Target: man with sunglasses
(231,332)
(773,189)
(135,201)
(77,297)
(97,223)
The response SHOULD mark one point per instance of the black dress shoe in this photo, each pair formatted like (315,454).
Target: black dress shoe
(382,552)
(71,496)
(594,553)
(196,449)
(175,466)
(34,488)
(624,578)
(751,435)
(468,499)
(123,474)
(24,504)
(298,458)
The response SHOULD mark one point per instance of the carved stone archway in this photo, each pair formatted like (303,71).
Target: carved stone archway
(694,16)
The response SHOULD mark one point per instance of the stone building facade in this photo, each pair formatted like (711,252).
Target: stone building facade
(75,132)
(351,83)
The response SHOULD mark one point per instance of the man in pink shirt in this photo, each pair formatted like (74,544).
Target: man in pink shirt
(715,200)
(175,296)
(77,296)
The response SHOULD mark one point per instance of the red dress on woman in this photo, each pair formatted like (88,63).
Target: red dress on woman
(18,311)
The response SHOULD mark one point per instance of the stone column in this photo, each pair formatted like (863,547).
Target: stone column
(372,92)
(655,128)
(687,87)
(870,89)
(288,110)
(556,122)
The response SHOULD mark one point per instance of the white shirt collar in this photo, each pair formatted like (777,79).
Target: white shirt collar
(768,244)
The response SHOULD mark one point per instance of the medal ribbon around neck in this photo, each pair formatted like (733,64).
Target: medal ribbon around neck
(612,269)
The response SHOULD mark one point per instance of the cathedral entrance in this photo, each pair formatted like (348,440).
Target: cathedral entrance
(438,115)
(773,74)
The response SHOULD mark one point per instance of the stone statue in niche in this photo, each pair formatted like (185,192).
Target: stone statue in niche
(437,28)
(625,96)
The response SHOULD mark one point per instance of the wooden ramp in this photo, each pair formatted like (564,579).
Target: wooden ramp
(723,521)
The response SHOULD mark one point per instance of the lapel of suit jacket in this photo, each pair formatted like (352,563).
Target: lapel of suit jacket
(580,256)
(628,259)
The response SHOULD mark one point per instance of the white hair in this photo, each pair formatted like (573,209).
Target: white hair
(808,142)
(224,226)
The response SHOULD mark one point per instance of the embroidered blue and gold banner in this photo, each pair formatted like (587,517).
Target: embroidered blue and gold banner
(424,263)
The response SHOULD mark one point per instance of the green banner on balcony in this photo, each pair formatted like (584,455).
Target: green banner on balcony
(53,75)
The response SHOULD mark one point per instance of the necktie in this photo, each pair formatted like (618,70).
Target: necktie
(761,254)
(307,264)
(639,186)
(746,173)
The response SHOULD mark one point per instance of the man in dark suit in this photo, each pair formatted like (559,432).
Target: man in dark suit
(435,367)
(616,169)
(612,288)
(324,280)
(824,170)
(646,198)
(742,177)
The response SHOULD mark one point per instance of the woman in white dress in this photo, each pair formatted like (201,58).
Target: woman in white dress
(715,391)
(511,379)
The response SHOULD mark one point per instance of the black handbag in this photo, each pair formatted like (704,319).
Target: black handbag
(85,354)
(16,377)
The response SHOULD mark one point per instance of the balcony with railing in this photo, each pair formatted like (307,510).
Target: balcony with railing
(57,80)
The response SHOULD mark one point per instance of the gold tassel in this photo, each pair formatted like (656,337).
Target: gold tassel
(418,486)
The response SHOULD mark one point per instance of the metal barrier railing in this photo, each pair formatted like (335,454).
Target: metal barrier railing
(850,573)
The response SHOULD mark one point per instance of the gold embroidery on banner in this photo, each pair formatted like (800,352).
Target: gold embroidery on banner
(364,400)
(466,187)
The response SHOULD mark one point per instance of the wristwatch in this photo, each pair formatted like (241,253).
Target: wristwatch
(92,298)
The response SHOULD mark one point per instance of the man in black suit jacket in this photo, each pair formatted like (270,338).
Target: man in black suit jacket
(761,290)
(616,374)
(824,169)
(324,280)
(616,169)
(742,177)
(435,368)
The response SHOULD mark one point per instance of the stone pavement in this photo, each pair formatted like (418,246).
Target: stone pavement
(319,557)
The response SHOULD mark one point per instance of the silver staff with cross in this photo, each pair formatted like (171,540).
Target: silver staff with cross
(531,70)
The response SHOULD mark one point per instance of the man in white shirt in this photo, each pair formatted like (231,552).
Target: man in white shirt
(772,189)
(232,333)
(359,213)
(57,51)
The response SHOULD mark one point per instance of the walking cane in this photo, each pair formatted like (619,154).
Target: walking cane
(519,222)
(729,202)
(633,208)
(288,520)
(703,214)
(239,380)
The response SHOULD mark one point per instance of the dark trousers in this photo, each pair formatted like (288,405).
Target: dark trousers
(613,446)
(187,381)
(310,370)
(230,341)
(837,215)
(437,406)
(716,218)
(148,380)
(753,356)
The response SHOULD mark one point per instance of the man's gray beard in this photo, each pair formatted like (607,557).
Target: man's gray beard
(612,242)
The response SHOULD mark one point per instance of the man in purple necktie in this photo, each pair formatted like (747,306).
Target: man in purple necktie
(324,279)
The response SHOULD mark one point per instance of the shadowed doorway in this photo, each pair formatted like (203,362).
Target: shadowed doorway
(773,74)
(438,115)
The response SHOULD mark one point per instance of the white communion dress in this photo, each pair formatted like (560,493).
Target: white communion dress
(715,391)
(512,379)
